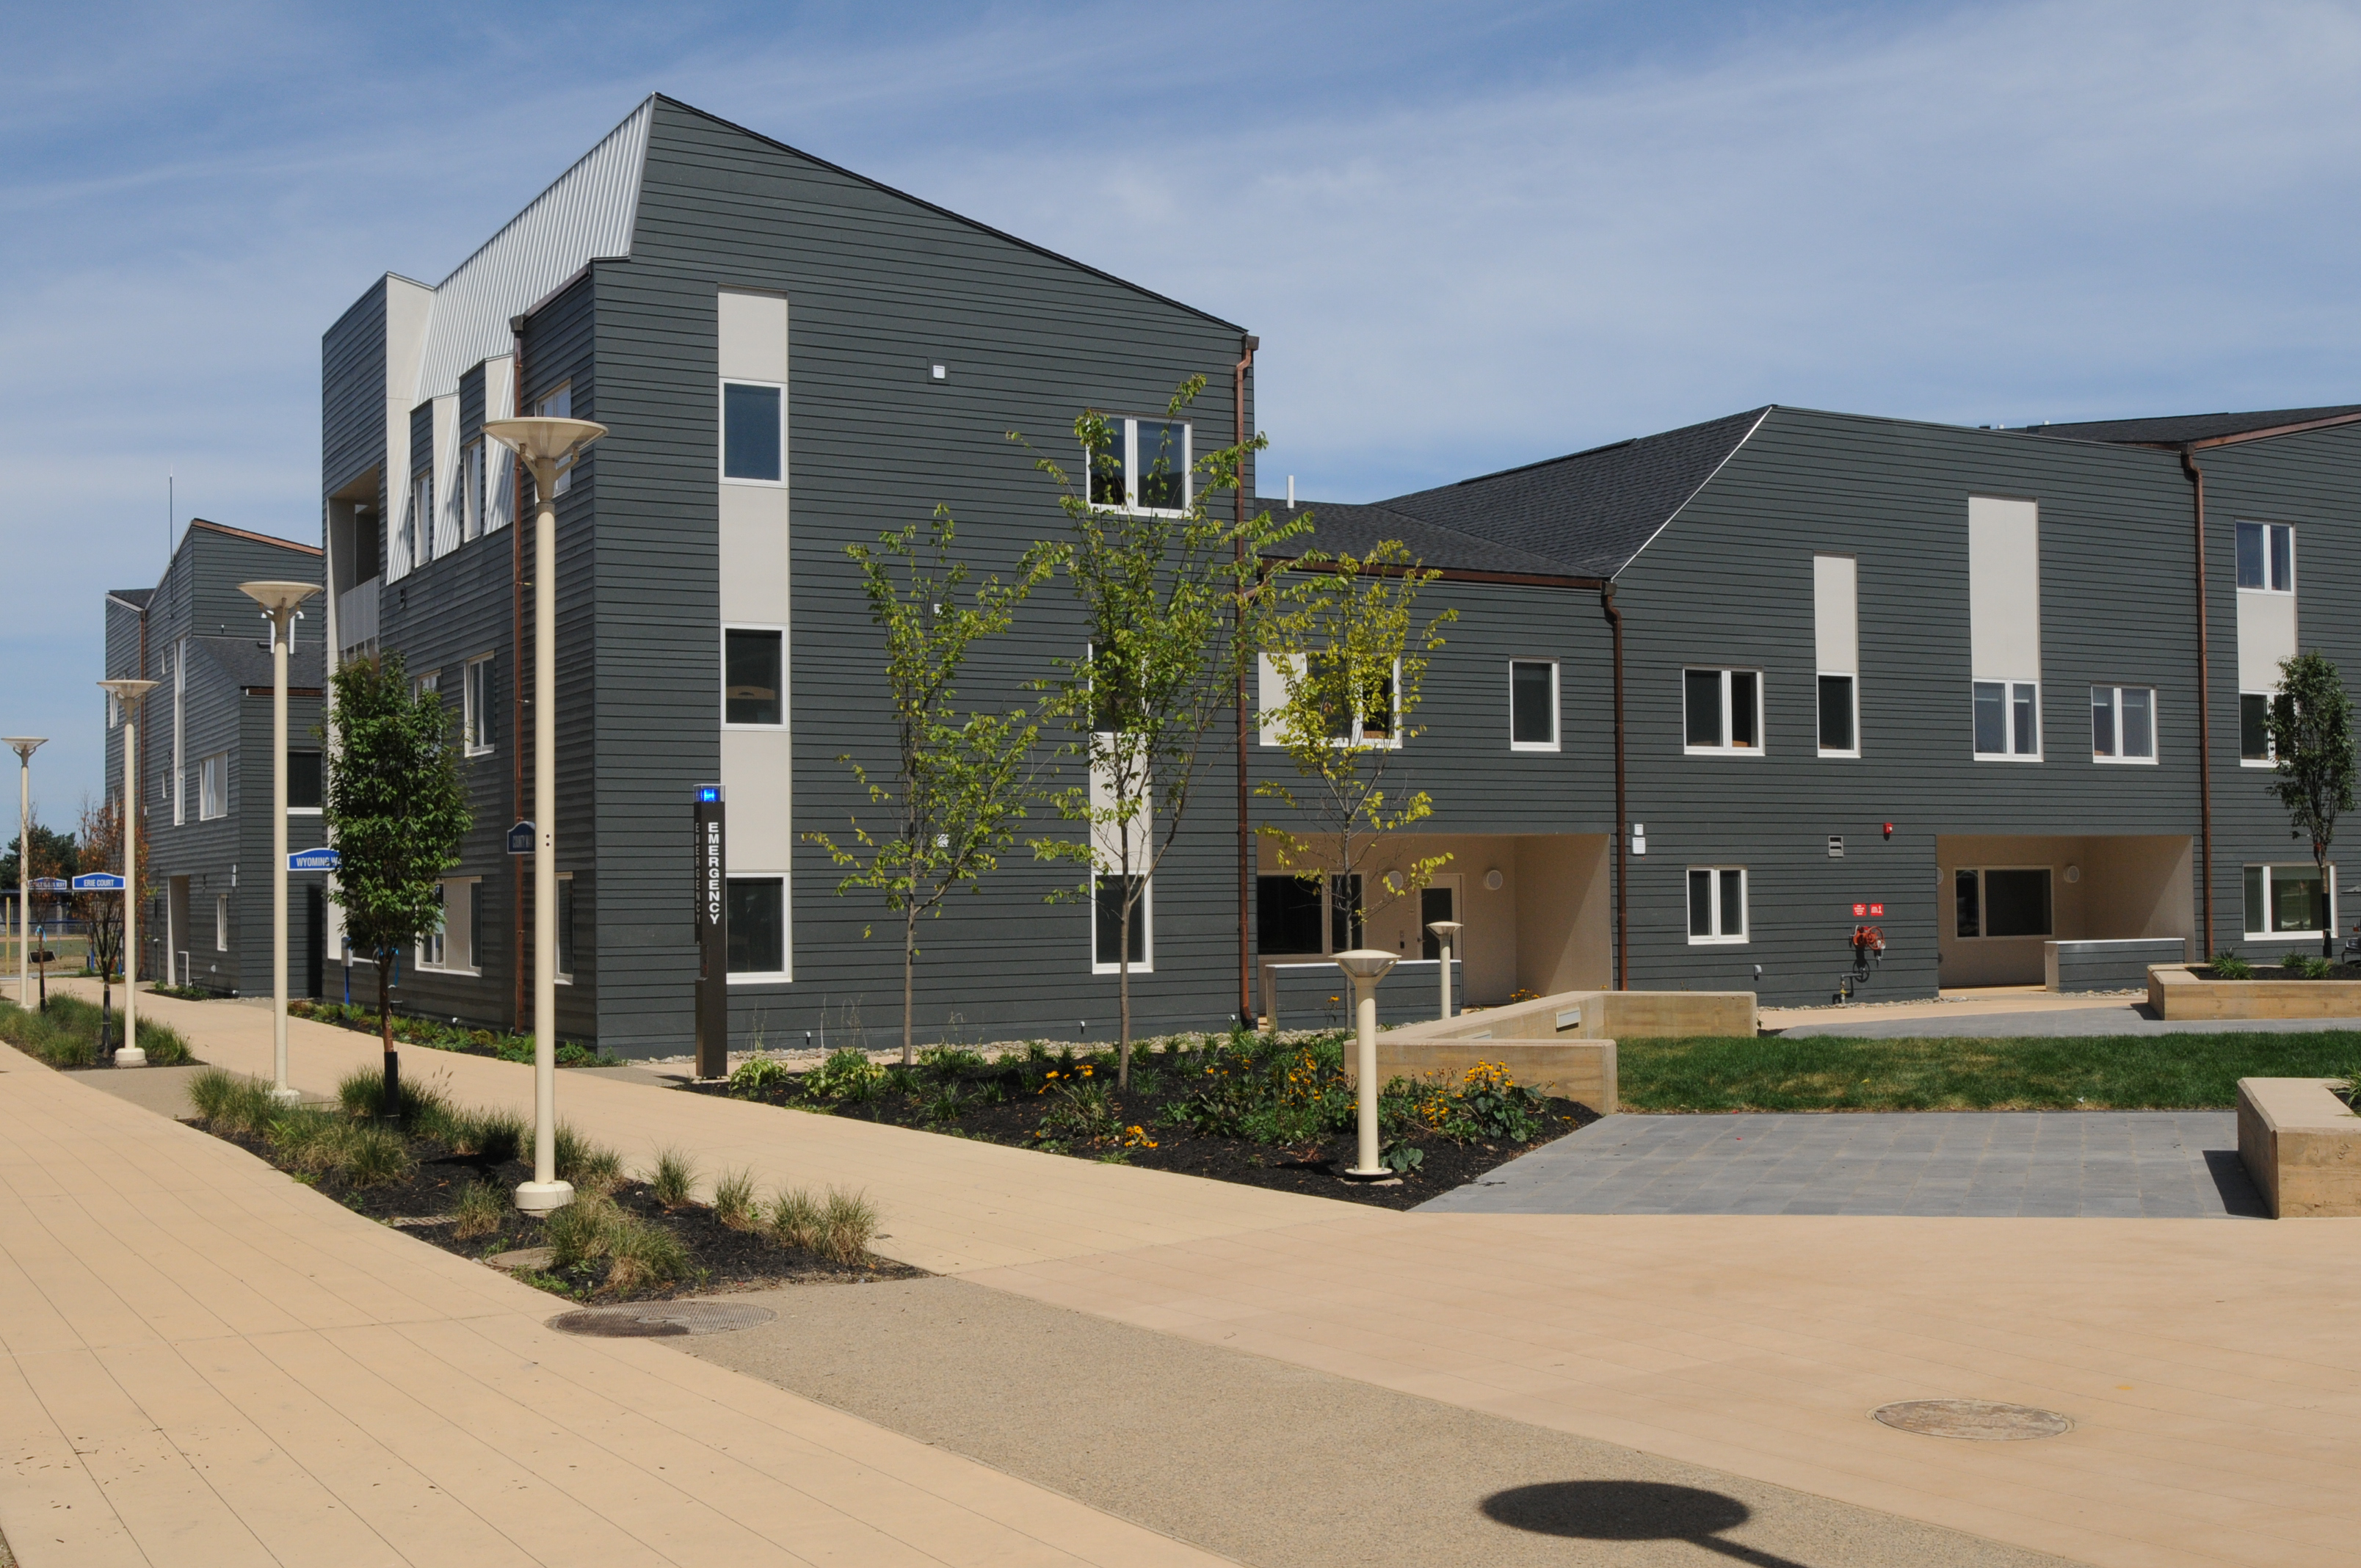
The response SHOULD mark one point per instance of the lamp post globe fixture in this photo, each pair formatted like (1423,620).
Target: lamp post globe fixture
(127,694)
(1446,937)
(548,448)
(25,746)
(1365,967)
(279,602)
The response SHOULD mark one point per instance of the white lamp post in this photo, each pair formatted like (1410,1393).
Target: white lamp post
(547,447)
(278,601)
(25,746)
(127,693)
(1446,934)
(1367,966)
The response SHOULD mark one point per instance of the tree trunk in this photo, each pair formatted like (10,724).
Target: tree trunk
(389,1106)
(2328,903)
(1122,1046)
(909,963)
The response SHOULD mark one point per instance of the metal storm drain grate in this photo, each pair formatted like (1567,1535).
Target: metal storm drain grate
(656,1320)
(1986,1420)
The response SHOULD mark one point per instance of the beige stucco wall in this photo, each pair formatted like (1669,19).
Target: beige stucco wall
(2131,885)
(1565,913)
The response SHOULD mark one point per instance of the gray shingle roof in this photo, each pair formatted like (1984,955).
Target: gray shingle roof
(1341,528)
(137,597)
(246,661)
(2173,429)
(1585,515)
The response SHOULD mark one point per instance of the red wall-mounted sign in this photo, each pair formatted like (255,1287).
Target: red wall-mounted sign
(1869,912)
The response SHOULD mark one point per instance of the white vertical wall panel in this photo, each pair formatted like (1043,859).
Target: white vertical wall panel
(1836,614)
(757,768)
(585,215)
(2267,634)
(499,462)
(2004,589)
(448,500)
(408,308)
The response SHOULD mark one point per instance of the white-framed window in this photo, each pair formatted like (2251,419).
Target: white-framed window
(426,681)
(2123,724)
(307,783)
(213,787)
(753,678)
(1533,704)
(452,946)
(1106,923)
(1840,699)
(1143,467)
(2267,558)
(2255,748)
(2008,720)
(471,490)
(758,928)
(566,927)
(1721,712)
(476,705)
(753,433)
(179,709)
(221,922)
(2000,901)
(1717,904)
(1377,718)
(557,403)
(2289,900)
(1836,646)
(420,524)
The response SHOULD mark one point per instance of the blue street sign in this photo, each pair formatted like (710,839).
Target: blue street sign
(98,881)
(314,860)
(52,884)
(520,838)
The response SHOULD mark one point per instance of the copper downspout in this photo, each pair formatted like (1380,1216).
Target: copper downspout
(1237,630)
(1622,829)
(517,867)
(2205,708)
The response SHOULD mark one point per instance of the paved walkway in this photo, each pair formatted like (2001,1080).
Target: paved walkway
(203,1363)
(2053,1164)
(2210,1369)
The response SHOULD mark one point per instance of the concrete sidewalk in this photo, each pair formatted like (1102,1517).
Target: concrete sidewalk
(203,1362)
(2209,1368)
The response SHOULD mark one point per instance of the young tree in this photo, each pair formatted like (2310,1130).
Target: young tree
(1159,586)
(2311,732)
(396,812)
(1344,642)
(102,913)
(957,786)
(53,855)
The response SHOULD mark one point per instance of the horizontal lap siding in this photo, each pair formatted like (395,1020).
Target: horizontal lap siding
(879,288)
(1729,583)
(352,392)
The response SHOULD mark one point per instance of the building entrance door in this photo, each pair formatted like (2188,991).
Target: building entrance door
(1438,900)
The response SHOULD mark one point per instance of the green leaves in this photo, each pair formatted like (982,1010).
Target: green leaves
(396,806)
(2311,730)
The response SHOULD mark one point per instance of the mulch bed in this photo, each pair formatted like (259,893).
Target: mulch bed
(722,1258)
(1312,1169)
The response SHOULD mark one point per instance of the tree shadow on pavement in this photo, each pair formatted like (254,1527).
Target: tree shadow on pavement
(1631,1510)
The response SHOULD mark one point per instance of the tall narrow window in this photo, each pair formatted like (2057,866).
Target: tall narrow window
(1722,711)
(1533,704)
(476,925)
(471,491)
(221,922)
(758,925)
(566,927)
(752,662)
(1717,904)
(2004,627)
(1107,922)
(2123,724)
(179,709)
(430,946)
(213,787)
(476,703)
(419,526)
(753,432)
(1836,638)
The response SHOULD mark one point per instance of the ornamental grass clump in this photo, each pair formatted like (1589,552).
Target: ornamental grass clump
(479,1210)
(2230,966)
(593,1169)
(798,1219)
(424,1109)
(848,1224)
(675,1182)
(231,1103)
(638,1256)
(733,1201)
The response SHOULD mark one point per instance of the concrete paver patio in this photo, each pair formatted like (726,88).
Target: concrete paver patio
(2210,1369)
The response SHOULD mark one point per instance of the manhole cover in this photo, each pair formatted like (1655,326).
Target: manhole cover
(1985,1419)
(654,1320)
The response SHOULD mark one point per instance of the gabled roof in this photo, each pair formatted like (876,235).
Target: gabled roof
(1342,528)
(272,539)
(1586,515)
(2172,430)
(132,598)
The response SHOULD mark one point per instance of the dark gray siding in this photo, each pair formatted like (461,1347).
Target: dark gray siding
(352,392)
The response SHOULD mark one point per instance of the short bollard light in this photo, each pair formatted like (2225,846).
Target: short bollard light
(1366,967)
(1446,936)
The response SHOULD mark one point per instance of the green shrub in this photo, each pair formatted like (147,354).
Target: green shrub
(1079,1109)
(798,1219)
(945,1063)
(847,1074)
(481,1208)
(2230,966)
(675,1182)
(758,1075)
(733,1199)
(1488,1103)
(947,1105)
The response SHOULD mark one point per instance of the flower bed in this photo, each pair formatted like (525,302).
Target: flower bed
(414,1031)
(1266,1110)
(65,1036)
(448,1174)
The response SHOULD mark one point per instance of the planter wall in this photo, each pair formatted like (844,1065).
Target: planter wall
(2175,993)
(2302,1146)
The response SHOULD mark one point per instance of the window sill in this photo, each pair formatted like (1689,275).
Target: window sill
(1097,968)
(2257,762)
(1534,746)
(2123,761)
(779,977)
(302,811)
(478,752)
(2008,756)
(756,483)
(779,729)
(1718,941)
(449,968)
(1853,755)
(1722,750)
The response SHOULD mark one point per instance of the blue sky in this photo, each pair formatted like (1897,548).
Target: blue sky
(1469,234)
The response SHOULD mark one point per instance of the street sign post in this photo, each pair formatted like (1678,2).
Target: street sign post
(520,838)
(710,854)
(313,860)
(98,881)
(52,884)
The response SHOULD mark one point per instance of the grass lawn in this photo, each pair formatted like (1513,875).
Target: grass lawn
(2124,1072)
